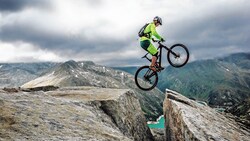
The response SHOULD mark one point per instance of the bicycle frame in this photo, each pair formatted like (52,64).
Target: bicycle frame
(148,76)
(160,53)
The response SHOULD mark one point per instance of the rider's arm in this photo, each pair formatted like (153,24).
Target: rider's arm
(154,33)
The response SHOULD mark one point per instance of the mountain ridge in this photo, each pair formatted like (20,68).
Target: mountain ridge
(73,73)
(15,74)
(216,81)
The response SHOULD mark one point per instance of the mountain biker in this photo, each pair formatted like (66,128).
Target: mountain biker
(145,40)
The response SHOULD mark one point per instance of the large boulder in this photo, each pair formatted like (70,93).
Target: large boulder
(79,113)
(186,119)
(73,73)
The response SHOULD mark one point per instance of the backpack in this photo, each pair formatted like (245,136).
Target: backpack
(141,32)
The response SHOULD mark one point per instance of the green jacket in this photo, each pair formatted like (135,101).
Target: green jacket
(152,31)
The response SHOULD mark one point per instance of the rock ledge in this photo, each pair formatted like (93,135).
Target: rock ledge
(186,119)
(74,113)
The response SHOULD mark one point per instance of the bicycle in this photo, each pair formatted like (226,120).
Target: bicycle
(178,55)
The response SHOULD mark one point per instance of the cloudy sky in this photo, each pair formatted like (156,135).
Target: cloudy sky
(105,31)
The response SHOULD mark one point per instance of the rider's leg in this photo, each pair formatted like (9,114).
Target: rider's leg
(149,47)
(152,66)
(154,52)
(145,44)
(154,58)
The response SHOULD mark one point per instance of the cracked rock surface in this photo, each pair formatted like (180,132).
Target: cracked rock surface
(186,119)
(73,113)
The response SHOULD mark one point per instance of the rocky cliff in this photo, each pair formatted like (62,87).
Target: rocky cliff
(73,113)
(87,73)
(188,120)
(241,112)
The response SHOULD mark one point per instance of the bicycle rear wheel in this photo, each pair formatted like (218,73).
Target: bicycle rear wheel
(145,78)
(178,55)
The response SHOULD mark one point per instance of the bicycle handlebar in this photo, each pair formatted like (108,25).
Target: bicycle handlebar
(158,41)
(155,40)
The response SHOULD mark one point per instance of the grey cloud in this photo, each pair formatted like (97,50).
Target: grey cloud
(60,42)
(214,32)
(206,36)
(94,2)
(116,62)
(24,59)
(17,5)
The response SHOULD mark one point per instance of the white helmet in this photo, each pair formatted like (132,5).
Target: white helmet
(158,19)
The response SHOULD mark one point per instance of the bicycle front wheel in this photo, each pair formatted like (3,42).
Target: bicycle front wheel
(178,55)
(145,78)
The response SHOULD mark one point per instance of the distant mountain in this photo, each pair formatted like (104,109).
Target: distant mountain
(87,73)
(16,74)
(239,59)
(223,81)
(129,69)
